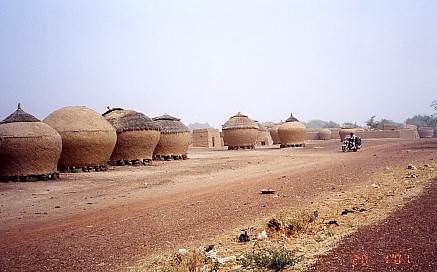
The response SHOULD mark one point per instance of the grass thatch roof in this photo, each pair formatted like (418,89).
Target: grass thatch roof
(129,120)
(170,124)
(19,116)
(292,119)
(240,121)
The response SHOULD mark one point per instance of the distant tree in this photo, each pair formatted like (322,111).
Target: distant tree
(350,125)
(371,123)
(331,124)
(199,125)
(434,104)
(315,123)
(421,121)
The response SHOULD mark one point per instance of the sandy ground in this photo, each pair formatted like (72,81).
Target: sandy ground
(109,220)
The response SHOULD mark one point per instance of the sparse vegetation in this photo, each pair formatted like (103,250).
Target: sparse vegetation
(373,124)
(189,261)
(350,125)
(316,123)
(422,121)
(261,259)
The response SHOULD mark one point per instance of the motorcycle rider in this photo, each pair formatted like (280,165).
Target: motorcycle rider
(352,139)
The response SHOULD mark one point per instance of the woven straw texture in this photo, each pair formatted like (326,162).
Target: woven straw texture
(170,124)
(28,148)
(87,138)
(19,116)
(292,132)
(239,121)
(129,120)
(135,145)
(325,134)
(175,137)
(137,134)
(239,131)
(240,137)
(345,132)
(173,144)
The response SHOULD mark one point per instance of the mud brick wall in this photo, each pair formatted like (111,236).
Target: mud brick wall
(207,137)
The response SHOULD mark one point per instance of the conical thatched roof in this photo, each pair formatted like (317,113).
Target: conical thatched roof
(240,121)
(129,120)
(170,124)
(291,119)
(28,146)
(19,116)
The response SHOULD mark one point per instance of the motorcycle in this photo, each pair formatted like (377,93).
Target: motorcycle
(351,145)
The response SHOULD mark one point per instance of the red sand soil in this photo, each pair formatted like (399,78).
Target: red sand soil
(109,220)
(405,241)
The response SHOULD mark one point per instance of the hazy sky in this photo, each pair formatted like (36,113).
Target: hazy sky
(203,61)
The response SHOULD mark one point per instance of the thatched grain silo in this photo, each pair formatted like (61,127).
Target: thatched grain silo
(87,138)
(137,136)
(275,135)
(29,149)
(344,132)
(175,138)
(240,132)
(292,133)
(325,134)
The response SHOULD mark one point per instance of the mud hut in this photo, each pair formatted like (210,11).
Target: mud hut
(292,133)
(137,136)
(29,149)
(344,132)
(175,138)
(240,132)
(264,137)
(206,137)
(325,134)
(87,138)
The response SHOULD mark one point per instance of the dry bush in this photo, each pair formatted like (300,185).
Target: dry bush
(291,223)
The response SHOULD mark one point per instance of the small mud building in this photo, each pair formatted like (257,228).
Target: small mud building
(292,133)
(240,132)
(264,137)
(137,136)
(206,137)
(29,149)
(87,138)
(174,140)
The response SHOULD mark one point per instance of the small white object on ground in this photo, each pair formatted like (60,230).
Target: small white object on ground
(262,235)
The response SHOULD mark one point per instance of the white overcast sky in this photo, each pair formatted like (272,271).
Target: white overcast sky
(203,61)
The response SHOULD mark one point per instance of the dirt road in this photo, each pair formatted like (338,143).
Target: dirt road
(108,220)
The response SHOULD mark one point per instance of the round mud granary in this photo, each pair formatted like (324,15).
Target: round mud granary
(175,138)
(292,133)
(275,135)
(325,134)
(137,136)
(240,132)
(87,138)
(29,149)
(344,132)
